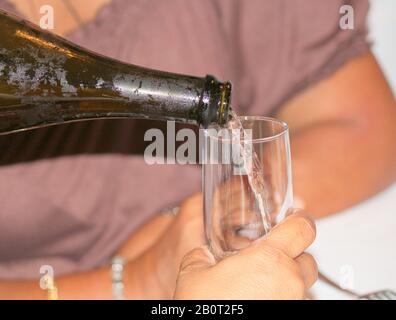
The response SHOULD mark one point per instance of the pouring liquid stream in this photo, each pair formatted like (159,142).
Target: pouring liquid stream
(252,167)
(253,170)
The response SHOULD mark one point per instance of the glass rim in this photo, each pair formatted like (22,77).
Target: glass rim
(284,129)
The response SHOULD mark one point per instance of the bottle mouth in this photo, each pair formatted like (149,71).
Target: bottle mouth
(224,104)
(215,101)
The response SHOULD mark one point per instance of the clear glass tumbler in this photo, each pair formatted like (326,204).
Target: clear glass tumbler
(235,212)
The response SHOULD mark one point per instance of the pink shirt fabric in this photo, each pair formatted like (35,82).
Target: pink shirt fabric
(71,195)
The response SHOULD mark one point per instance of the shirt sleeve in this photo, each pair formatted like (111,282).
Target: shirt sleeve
(322,46)
(285,46)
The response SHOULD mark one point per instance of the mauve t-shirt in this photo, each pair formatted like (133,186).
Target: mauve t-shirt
(71,195)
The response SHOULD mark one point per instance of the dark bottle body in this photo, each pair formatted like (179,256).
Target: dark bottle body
(47,80)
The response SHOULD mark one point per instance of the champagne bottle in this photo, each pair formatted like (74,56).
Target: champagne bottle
(46,80)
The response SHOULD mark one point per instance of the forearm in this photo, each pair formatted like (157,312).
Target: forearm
(88,285)
(342,137)
(150,274)
(333,168)
(146,236)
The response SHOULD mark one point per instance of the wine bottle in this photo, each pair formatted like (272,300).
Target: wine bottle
(47,80)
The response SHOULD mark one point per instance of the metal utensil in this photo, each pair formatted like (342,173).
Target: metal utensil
(378,295)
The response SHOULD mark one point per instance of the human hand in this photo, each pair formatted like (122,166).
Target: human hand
(274,267)
(158,247)
(183,234)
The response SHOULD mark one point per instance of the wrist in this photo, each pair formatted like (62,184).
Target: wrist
(164,268)
(142,280)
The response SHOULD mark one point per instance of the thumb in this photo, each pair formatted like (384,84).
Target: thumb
(197,260)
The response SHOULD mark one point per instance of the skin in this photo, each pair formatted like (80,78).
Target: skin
(64,21)
(342,137)
(343,152)
(276,265)
(152,266)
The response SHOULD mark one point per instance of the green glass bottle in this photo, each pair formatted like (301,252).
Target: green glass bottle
(46,80)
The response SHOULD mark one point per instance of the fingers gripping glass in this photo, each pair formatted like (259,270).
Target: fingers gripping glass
(242,200)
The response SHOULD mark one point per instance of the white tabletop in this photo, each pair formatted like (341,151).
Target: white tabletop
(357,247)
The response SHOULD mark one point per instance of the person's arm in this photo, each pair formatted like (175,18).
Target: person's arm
(343,134)
(273,267)
(89,285)
(154,251)
(146,236)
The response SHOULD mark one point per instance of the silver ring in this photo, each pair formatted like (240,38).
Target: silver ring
(174,211)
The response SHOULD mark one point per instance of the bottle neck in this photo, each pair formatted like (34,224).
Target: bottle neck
(47,80)
(215,102)
(167,96)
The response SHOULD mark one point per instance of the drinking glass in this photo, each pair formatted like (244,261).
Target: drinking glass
(242,202)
